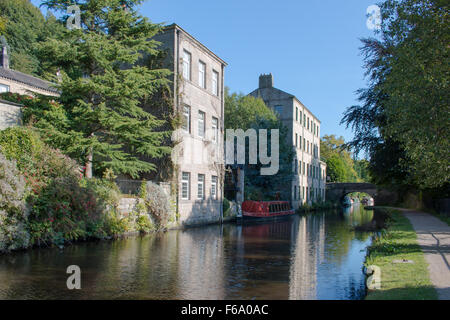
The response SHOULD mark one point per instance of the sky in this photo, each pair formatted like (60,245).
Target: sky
(310,46)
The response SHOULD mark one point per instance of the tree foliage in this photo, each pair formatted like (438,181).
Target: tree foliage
(246,112)
(404,116)
(340,165)
(24,26)
(106,79)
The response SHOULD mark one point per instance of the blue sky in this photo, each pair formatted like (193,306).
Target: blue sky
(310,46)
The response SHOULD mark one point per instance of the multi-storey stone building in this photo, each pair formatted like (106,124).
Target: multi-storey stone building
(308,185)
(198,84)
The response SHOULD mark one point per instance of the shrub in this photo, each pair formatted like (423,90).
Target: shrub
(157,203)
(144,224)
(36,161)
(64,208)
(115,225)
(106,192)
(13,212)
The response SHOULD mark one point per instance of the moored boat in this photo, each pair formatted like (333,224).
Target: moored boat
(256,210)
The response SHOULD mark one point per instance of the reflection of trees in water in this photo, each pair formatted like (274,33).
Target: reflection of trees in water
(275,260)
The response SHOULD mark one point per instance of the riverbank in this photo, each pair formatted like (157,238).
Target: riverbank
(404,270)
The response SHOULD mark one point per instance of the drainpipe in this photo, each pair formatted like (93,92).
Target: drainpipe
(223,140)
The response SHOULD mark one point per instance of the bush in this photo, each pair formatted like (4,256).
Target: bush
(115,225)
(144,224)
(13,212)
(63,206)
(157,203)
(38,163)
(106,192)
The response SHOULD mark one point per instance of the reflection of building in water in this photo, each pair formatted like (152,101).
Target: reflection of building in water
(308,246)
(201,265)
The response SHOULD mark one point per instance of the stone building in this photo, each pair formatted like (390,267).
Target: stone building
(198,84)
(308,186)
(17,82)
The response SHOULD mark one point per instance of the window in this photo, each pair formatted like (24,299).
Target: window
(201,74)
(304,144)
(215,128)
(201,187)
(296,167)
(214,187)
(304,120)
(300,143)
(278,110)
(296,140)
(296,113)
(308,147)
(304,169)
(295,192)
(186,65)
(201,124)
(215,83)
(185,185)
(303,192)
(187,118)
(4,88)
(301,117)
(308,123)
(308,169)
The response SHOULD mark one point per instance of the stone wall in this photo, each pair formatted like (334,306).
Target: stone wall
(10,114)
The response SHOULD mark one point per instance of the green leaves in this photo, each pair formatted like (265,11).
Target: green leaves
(106,80)
(406,106)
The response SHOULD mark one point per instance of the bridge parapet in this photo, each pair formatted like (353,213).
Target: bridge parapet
(337,191)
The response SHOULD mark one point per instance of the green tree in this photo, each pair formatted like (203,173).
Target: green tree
(362,170)
(246,112)
(23,26)
(241,111)
(332,147)
(106,79)
(405,108)
(336,169)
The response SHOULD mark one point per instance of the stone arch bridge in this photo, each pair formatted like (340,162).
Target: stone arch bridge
(337,191)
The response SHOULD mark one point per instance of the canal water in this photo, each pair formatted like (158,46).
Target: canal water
(306,257)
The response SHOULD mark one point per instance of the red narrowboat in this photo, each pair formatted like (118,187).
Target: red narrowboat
(266,209)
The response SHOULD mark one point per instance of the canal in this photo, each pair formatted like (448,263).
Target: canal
(306,257)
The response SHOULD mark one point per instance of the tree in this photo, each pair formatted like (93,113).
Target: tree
(246,112)
(241,111)
(106,78)
(405,108)
(362,170)
(23,26)
(332,148)
(336,169)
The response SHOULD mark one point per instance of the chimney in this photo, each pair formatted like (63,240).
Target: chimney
(266,81)
(4,58)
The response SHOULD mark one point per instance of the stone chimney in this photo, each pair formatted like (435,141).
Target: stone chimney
(266,81)
(4,54)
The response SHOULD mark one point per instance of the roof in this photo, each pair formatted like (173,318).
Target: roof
(175,26)
(27,79)
(287,96)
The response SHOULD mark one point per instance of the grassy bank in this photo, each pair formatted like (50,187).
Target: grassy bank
(399,281)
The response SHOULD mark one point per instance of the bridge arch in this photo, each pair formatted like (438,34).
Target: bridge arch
(335,192)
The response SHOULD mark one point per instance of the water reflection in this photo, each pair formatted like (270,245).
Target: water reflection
(312,257)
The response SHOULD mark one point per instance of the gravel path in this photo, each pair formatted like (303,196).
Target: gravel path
(433,236)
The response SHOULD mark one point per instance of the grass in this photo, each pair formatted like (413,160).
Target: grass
(401,281)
